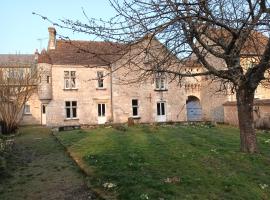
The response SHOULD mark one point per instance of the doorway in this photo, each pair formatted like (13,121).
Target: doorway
(43,114)
(194,109)
(161,111)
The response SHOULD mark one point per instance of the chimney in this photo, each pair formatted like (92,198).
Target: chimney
(36,54)
(52,38)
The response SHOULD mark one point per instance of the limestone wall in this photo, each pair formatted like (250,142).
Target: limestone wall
(86,94)
(34,117)
(261,113)
(44,81)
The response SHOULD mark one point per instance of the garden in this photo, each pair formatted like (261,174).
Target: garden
(170,162)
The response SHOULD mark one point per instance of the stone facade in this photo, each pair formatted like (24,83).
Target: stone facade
(261,113)
(69,90)
(34,116)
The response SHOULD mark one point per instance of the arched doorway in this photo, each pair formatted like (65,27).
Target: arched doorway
(194,109)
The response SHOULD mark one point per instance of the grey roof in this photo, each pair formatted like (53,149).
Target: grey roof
(16,60)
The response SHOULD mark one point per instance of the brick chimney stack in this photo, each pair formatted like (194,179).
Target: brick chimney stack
(52,38)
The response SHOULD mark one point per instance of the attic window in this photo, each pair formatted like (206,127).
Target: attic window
(160,81)
(70,79)
(100,79)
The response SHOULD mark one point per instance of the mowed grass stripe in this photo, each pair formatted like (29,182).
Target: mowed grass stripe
(204,163)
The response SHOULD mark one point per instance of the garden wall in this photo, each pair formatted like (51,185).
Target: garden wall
(261,113)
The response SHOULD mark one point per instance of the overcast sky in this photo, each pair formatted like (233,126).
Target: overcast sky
(22,32)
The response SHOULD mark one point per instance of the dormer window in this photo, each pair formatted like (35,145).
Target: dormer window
(100,79)
(160,81)
(70,79)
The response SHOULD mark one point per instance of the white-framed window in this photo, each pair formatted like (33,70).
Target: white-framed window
(71,109)
(135,107)
(101,110)
(160,81)
(160,108)
(100,79)
(26,109)
(70,79)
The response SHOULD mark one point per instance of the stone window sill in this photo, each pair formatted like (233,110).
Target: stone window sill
(136,117)
(161,90)
(71,119)
(101,88)
(70,89)
(27,114)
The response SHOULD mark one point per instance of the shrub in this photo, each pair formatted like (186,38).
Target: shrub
(6,146)
(2,158)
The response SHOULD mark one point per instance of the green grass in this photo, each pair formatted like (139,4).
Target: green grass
(39,168)
(172,162)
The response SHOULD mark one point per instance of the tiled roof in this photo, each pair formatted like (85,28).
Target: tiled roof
(44,57)
(254,45)
(16,60)
(82,53)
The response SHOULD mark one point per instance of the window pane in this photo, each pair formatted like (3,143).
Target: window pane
(162,83)
(66,83)
(26,109)
(74,112)
(68,112)
(67,103)
(99,74)
(157,83)
(100,83)
(66,73)
(43,109)
(48,79)
(162,108)
(135,111)
(103,109)
(74,103)
(158,108)
(73,73)
(134,102)
(73,83)
(99,110)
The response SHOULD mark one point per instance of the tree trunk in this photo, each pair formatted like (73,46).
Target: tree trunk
(245,98)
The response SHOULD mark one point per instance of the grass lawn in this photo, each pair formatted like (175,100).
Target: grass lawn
(171,162)
(39,168)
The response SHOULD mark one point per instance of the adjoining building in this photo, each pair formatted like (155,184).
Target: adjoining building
(82,83)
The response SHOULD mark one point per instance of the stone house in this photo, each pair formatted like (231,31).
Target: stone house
(81,83)
(13,71)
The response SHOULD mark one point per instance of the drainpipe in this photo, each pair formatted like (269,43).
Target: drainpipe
(111,85)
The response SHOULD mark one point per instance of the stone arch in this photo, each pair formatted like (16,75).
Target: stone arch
(194,109)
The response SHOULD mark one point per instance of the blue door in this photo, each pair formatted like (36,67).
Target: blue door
(194,109)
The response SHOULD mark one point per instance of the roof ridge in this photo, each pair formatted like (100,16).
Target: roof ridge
(63,40)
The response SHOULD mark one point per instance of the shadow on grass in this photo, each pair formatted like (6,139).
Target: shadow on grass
(206,163)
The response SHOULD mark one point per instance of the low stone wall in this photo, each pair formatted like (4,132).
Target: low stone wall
(261,113)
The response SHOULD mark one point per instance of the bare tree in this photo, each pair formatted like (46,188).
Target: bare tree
(17,84)
(207,31)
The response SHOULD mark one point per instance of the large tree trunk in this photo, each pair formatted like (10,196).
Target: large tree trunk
(245,98)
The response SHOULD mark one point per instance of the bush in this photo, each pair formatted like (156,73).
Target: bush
(7,130)
(2,158)
(6,146)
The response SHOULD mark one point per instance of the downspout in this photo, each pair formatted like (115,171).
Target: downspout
(111,85)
